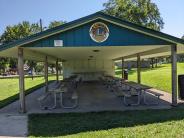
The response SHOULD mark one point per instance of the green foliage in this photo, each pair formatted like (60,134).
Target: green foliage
(24,29)
(35,28)
(31,64)
(39,67)
(16,32)
(56,23)
(52,66)
(130,124)
(3,64)
(13,63)
(60,67)
(19,31)
(141,12)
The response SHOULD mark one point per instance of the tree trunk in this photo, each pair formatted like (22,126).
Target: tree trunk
(156,62)
(152,62)
(32,76)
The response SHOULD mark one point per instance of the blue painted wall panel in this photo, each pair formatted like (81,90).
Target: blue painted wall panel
(118,36)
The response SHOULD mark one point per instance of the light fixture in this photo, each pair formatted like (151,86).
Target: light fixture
(96,50)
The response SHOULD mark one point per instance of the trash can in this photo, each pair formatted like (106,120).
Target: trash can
(181,86)
(126,74)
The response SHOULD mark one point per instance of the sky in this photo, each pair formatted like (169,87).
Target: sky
(15,11)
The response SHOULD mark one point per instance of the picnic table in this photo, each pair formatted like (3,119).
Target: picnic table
(137,86)
(59,91)
(140,90)
(127,89)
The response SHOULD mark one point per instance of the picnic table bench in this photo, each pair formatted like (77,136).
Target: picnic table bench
(154,92)
(135,89)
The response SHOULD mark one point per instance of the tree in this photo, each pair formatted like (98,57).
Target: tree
(13,63)
(60,67)
(3,64)
(52,66)
(19,31)
(141,12)
(16,32)
(182,37)
(22,30)
(56,23)
(32,65)
(39,67)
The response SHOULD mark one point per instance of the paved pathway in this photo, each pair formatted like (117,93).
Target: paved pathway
(13,126)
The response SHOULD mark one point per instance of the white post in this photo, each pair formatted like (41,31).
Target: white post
(138,69)
(123,67)
(46,74)
(57,74)
(21,80)
(174,74)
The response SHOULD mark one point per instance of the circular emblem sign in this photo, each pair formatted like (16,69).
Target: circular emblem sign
(99,32)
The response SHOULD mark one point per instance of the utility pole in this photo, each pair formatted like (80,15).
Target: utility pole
(41,27)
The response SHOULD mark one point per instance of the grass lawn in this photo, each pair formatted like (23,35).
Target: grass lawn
(138,124)
(159,78)
(9,88)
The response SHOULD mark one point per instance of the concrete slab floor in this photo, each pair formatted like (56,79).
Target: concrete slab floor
(92,97)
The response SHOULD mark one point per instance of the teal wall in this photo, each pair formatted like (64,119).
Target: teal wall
(79,37)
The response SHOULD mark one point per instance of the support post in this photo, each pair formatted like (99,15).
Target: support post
(57,74)
(46,74)
(123,68)
(174,74)
(138,68)
(156,62)
(21,80)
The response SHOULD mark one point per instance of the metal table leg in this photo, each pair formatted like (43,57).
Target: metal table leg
(134,104)
(146,103)
(55,102)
